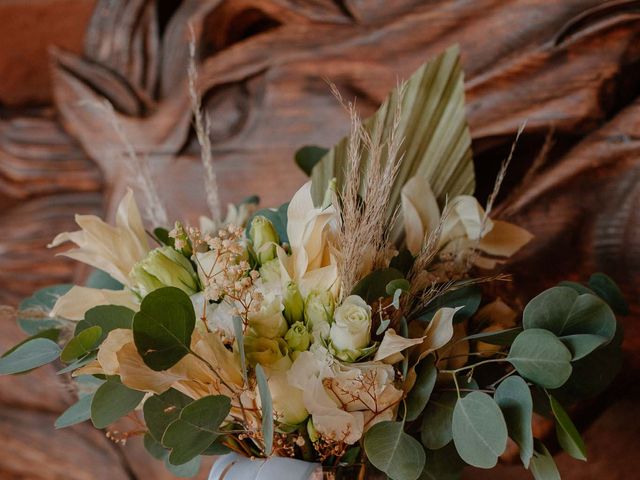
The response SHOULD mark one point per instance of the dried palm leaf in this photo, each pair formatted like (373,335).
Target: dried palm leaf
(436,142)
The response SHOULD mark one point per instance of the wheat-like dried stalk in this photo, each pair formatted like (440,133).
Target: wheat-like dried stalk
(154,210)
(202,126)
(364,237)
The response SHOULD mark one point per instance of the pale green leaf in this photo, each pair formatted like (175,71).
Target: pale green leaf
(76,413)
(30,355)
(542,465)
(196,428)
(568,436)
(419,395)
(112,401)
(479,430)
(436,143)
(514,399)
(394,452)
(539,356)
(161,410)
(266,405)
(436,421)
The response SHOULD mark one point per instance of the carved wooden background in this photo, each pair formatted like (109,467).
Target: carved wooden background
(571,68)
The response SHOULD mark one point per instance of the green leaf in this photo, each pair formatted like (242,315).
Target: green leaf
(50,333)
(501,337)
(583,321)
(81,344)
(81,362)
(403,261)
(266,405)
(436,143)
(568,436)
(592,374)
(421,391)
(30,355)
(76,413)
(514,399)
(108,318)
(196,428)
(112,401)
(436,422)
(549,309)
(591,323)
(217,448)
(33,312)
(237,330)
(307,157)
(539,356)
(607,289)
(542,465)
(102,280)
(578,287)
(155,448)
(479,430)
(394,452)
(373,286)
(45,298)
(162,328)
(397,284)
(160,410)
(443,464)
(162,234)
(186,470)
(468,298)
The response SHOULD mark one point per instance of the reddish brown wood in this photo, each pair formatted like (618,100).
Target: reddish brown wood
(571,67)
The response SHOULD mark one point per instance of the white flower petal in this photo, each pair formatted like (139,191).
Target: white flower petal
(74,304)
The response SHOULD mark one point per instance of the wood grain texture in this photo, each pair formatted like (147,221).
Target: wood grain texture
(568,67)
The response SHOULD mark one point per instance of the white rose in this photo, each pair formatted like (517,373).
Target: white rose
(351,330)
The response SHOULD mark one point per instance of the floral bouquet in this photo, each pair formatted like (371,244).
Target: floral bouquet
(353,327)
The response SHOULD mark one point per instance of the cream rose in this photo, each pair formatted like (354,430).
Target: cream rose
(351,329)
(268,321)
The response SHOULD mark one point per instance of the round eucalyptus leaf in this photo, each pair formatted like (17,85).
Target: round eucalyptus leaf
(436,421)
(549,309)
(514,399)
(196,428)
(443,464)
(539,356)
(607,289)
(479,430)
(394,452)
(112,401)
(592,374)
(162,328)
(373,286)
(107,317)
(583,322)
(160,410)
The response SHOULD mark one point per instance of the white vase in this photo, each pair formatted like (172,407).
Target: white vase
(236,467)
